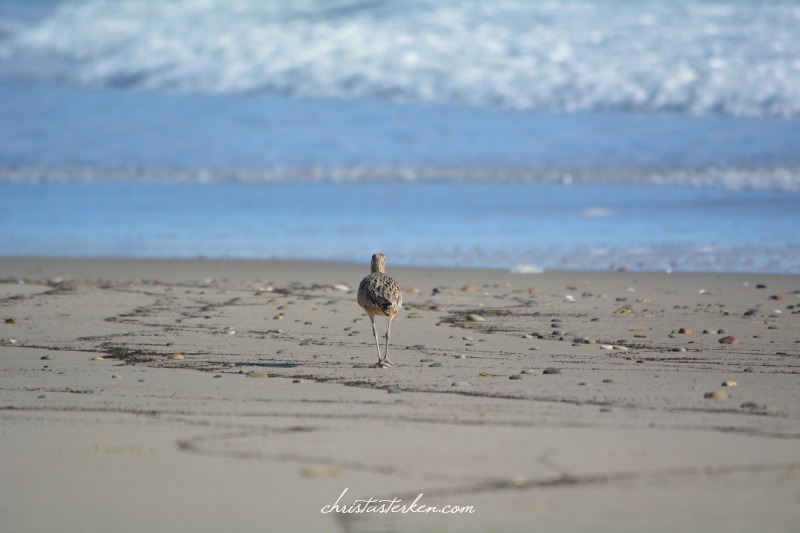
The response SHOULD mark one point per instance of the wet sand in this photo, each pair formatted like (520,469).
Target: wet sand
(272,409)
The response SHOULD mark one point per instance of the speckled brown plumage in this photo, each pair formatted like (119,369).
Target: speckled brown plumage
(380,294)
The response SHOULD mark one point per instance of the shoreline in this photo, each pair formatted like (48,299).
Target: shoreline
(97,267)
(571,390)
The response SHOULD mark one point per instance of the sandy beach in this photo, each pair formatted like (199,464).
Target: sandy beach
(238,396)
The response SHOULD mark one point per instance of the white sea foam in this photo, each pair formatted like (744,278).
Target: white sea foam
(735,179)
(736,58)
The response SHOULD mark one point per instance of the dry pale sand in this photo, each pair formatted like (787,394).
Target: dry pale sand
(229,439)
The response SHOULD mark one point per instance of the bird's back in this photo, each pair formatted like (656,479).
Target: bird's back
(379,292)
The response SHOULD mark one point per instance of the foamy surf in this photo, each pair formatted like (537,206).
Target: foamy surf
(674,56)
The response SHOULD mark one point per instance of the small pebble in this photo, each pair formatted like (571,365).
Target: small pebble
(680,350)
(257,375)
(475,318)
(752,312)
(685,331)
(177,356)
(608,380)
(620,347)
(426,360)
(607,409)
(773,327)
(729,340)
(116,376)
(218,376)
(437,364)
(460,356)
(606,347)
(460,384)
(46,357)
(394,390)
(528,371)
(717,395)
(515,376)
(98,358)
(297,381)
(551,370)
(749,369)
(728,383)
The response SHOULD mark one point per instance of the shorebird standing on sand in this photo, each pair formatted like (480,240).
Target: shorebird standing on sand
(379,294)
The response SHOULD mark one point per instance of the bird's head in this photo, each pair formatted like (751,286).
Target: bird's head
(378,263)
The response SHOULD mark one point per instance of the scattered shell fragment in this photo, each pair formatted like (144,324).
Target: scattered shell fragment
(344,287)
(716,395)
(685,331)
(98,358)
(729,340)
(528,371)
(116,376)
(475,318)
(606,347)
(728,383)
(177,356)
(551,370)
(460,384)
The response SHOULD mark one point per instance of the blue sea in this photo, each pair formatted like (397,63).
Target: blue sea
(659,135)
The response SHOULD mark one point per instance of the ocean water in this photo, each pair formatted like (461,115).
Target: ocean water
(577,134)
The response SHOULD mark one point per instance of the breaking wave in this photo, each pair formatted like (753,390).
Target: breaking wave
(737,58)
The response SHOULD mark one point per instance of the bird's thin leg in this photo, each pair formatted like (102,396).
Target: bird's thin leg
(386,347)
(377,343)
